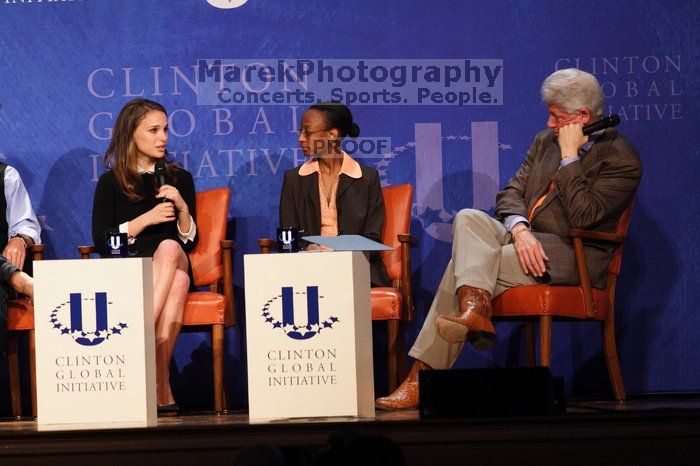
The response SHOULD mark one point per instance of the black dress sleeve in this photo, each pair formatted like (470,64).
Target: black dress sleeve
(185,185)
(103,211)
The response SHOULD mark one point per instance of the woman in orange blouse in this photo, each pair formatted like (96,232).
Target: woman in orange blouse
(332,194)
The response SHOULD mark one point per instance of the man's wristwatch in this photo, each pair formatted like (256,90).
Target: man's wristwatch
(27,241)
(518,228)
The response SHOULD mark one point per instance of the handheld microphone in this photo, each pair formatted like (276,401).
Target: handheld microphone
(605,122)
(160,172)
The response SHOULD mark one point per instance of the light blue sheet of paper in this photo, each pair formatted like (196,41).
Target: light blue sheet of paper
(348,243)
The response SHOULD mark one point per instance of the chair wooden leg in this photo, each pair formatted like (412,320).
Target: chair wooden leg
(217,344)
(392,327)
(401,355)
(32,370)
(224,396)
(15,389)
(610,349)
(545,340)
(529,330)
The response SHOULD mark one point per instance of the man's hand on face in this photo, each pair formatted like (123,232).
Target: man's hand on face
(571,139)
(568,128)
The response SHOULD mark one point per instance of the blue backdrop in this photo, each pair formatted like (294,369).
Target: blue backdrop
(67,67)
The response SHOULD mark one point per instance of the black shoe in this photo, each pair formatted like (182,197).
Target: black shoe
(482,340)
(168,410)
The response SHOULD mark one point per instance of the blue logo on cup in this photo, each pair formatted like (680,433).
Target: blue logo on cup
(84,336)
(288,239)
(118,244)
(313,325)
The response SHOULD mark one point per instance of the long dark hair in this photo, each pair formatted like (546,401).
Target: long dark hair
(338,116)
(121,153)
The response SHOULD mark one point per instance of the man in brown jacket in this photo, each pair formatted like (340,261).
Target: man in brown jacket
(567,180)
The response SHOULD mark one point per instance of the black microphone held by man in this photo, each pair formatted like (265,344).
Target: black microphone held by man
(607,121)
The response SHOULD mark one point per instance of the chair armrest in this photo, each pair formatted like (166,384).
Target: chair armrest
(85,251)
(266,244)
(37,251)
(597,235)
(577,236)
(227,279)
(408,238)
(583,278)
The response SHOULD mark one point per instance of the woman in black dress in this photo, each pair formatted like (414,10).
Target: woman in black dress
(158,220)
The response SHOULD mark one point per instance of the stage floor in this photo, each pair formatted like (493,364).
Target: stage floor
(658,430)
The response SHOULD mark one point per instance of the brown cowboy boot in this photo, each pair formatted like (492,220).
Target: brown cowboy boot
(406,396)
(473,324)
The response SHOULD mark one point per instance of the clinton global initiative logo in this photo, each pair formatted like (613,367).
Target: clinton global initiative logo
(226,4)
(81,330)
(438,157)
(312,326)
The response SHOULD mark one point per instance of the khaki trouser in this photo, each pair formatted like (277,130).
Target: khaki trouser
(482,257)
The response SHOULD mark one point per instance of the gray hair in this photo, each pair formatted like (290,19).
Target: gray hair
(573,89)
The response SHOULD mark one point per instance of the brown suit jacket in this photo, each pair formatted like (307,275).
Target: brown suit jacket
(590,193)
(359,203)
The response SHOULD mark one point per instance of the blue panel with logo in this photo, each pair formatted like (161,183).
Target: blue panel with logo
(447,98)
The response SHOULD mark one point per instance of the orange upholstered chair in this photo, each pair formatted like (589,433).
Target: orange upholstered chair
(212,267)
(211,310)
(580,303)
(395,304)
(20,319)
(392,304)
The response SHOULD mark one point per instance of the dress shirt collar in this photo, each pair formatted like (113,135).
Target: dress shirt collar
(592,138)
(141,171)
(350,167)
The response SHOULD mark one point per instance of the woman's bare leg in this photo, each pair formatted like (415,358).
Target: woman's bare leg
(170,286)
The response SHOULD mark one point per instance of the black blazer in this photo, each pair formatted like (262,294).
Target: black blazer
(360,209)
